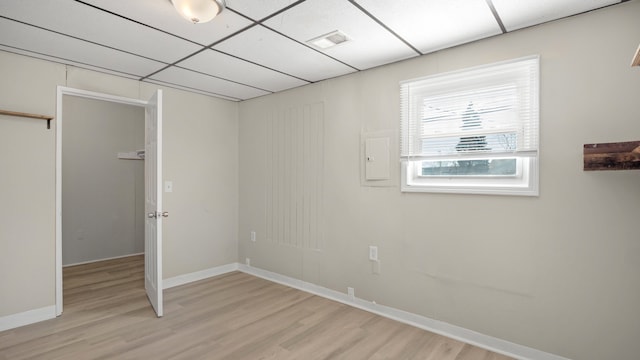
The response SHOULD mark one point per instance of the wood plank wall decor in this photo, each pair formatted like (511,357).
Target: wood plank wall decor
(612,156)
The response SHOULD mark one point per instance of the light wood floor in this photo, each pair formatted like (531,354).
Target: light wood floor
(233,316)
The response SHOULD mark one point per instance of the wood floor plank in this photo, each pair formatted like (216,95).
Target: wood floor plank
(470,352)
(232,316)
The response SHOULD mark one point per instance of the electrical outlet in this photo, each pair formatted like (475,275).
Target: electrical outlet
(352,293)
(247,261)
(373,253)
(253,236)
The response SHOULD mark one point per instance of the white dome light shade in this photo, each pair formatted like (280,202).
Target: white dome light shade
(198,11)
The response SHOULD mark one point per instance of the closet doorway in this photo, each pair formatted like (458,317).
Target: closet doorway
(110,199)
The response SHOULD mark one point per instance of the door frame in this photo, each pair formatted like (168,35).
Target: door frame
(62,91)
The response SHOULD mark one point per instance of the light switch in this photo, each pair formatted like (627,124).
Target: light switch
(168,186)
(377,158)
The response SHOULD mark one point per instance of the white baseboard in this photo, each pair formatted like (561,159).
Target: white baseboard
(439,327)
(105,259)
(27,317)
(198,275)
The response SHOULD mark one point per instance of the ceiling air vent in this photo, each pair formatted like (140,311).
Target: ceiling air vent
(329,40)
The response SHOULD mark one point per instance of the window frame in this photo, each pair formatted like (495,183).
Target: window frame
(526,180)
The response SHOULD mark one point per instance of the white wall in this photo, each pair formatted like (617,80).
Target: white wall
(102,196)
(558,272)
(200,156)
(27,184)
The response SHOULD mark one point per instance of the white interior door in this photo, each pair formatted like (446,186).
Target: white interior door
(153,202)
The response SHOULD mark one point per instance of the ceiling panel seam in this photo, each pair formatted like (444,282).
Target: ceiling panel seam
(178,86)
(173,63)
(261,22)
(247,60)
(232,35)
(83,40)
(222,52)
(196,43)
(496,16)
(354,3)
(262,66)
(221,78)
(310,47)
(140,23)
(69,62)
(210,47)
(280,11)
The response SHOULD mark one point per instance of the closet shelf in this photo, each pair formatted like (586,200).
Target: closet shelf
(27,115)
(612,156)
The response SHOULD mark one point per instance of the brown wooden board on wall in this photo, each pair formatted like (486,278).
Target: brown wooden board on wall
(612,156)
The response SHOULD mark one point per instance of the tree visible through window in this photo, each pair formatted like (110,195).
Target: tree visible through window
(471,119)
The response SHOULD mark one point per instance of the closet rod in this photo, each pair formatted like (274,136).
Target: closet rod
(27,115)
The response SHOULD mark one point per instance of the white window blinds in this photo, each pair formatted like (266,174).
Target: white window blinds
(489,111)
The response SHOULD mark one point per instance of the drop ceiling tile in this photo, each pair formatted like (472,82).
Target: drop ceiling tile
(369,43)
(88,23)
(210,84)
(66,62)
(69,50)
(228,67)
(160,14)
(258,9)
(520,14)
(263,46)
(192,90)
(435,25)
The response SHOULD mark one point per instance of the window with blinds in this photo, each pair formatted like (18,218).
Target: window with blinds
(472,131)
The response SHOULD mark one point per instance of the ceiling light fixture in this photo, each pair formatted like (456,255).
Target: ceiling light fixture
(199,11)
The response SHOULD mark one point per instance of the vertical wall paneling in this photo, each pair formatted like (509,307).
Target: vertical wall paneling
(295,165)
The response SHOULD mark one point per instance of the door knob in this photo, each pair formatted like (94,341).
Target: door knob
(151,215)
(165,214)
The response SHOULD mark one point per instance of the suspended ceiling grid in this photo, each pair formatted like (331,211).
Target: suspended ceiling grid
(258,47)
